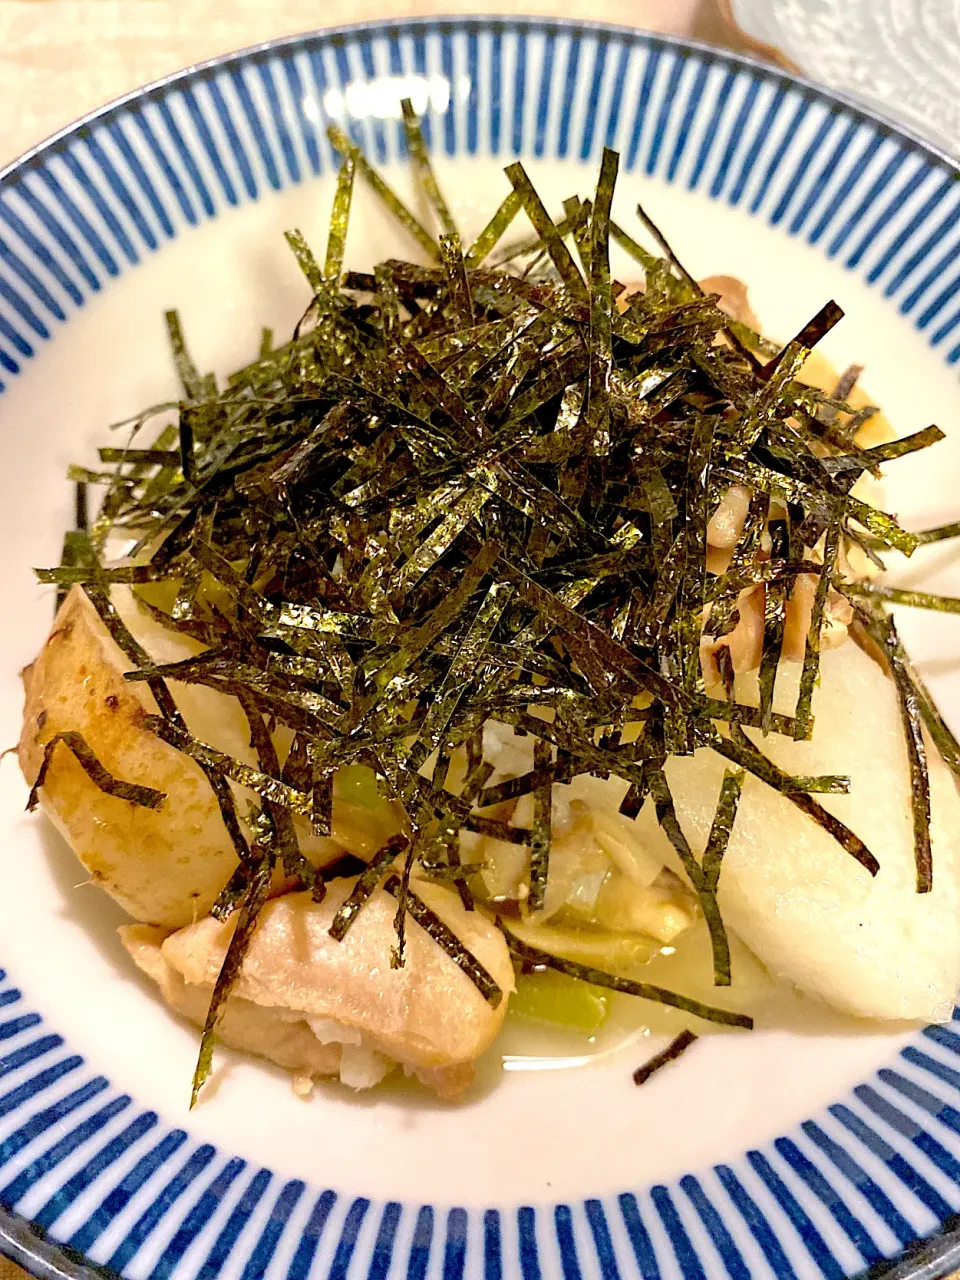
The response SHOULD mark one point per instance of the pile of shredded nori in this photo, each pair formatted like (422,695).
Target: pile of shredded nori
(479,489)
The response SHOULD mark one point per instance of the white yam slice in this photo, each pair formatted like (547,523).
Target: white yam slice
(869,946)
(164,866)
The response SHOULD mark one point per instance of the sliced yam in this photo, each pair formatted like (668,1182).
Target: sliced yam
(427,1015)
(219,720)
(164,866)
(870,946)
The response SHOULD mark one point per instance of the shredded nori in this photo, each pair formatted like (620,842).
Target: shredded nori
(367,882)
(678,1046)
(720,831)
(444,937)
(250,904)
(704,879)
(101,777)
(542,822)
(462,493)
(540,959)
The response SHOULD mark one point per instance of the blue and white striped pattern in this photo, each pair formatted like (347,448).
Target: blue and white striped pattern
(82,1161)
(847,1188)
(114,189)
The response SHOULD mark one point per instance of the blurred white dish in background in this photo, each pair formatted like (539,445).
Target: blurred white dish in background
(900,57)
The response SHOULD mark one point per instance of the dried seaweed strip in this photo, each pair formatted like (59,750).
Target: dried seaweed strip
(186,445)
(546,229)
(942,533)
(829,315)
(67,575)
(540,835)
(133,792)
(911,599)
(722,826)
(424,169)
(339,221)
(398,954)
(882,526)
(451,253)
(674,1050)
(729,585)
(321,795)
(496,830)
(367,883)
(597,417)
(774,613)
(748,717)
(87,476)
(867,459)
(81,514)
(539,959)
(811,657)
(98,593)
(703,884)
(263,784)
(494,231)
(615,656)
(251,904)
(445,938)
(641,256)
(886,631)
(306,261)
(454,685)
(446,865)
(284,836)
(193,383)
(691,283)
(388,298)
(551,383)
(946,743)
(695,552)
(576,223)
(449,609)
(439,540)
(442,394)
(389,197)
(297,707)
(186,599)
(742,752)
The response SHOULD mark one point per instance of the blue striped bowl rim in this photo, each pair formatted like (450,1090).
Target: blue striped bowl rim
(848,1188)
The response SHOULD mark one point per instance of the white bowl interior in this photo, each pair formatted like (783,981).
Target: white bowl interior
(556,1134)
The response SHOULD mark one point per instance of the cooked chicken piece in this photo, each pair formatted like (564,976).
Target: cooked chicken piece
(734,301)
(267,1033)
(428,1015)
(869,946)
